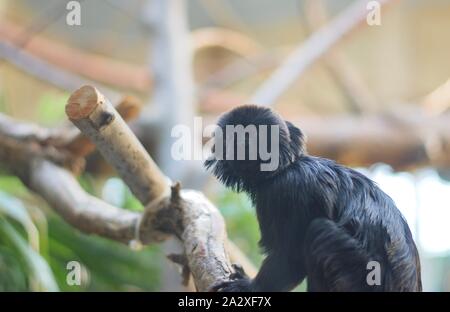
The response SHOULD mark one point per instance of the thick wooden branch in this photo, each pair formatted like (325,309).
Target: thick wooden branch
(83,211)
(187,215)
(79,145)
(26,131)
(67,137)
(199,225)
(94,115)
(17,146)
(38,169)
(63,145)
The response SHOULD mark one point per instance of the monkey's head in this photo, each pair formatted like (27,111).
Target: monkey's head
(251,144)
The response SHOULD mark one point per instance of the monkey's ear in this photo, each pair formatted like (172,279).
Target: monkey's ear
(298,140)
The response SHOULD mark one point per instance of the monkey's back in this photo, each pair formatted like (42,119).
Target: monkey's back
(342,218)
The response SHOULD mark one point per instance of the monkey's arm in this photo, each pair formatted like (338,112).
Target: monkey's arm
(279,272)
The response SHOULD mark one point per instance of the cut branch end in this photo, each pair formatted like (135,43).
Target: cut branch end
(83,102)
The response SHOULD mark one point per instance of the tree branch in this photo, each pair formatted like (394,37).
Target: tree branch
(92,66)
(188,215)
(79,145)
(405,139)
(26,131)
(72,64)
(43,70)
(96,118)
(83,211)
(360,98)
(36,167)
(185,214)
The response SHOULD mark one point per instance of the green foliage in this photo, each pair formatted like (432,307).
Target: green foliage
(110,266)
(12,241)
(13,186)
(113,191)
(117,193)
(34,258)
(51,108)
(13,276)
(41,276)
(87,182)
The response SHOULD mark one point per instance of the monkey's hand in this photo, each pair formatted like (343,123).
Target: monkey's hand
(240,285)
(239,282)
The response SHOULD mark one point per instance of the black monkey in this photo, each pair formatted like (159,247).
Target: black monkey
(318,219)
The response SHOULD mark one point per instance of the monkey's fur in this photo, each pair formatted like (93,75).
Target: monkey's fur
(318,219)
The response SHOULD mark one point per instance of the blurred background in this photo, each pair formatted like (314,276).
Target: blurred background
(374,97)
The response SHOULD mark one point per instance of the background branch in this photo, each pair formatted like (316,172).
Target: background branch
(43,70)
(404,139)
(360,98)
(309,51)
